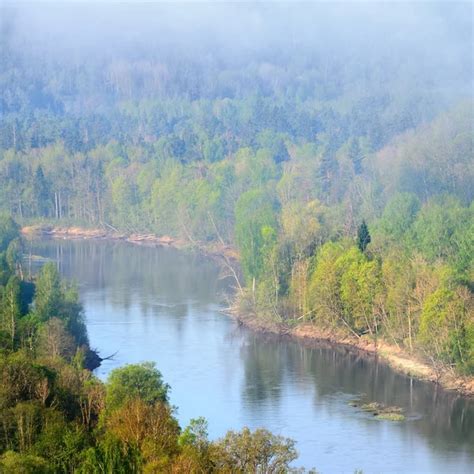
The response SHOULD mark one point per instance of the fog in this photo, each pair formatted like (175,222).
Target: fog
(433,39)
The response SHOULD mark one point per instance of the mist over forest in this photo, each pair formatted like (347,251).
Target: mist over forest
(322,51)
(324,151)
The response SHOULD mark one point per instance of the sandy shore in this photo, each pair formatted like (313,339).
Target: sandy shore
(214,249)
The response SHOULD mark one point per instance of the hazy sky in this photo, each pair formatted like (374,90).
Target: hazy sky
(435,37)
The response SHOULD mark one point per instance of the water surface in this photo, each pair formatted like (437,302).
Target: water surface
(163,305)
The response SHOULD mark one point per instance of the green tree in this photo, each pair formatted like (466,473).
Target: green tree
(48,295)
(41,194)
(16,463)
(9,230)
(436,225)
(195,434)
(447,327)
(253,212)
(360,284)
(141,381)
(398,216)
(363,237)
(10,309)
(324,297)
(257,452)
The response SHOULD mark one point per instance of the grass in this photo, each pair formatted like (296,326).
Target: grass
(381,411)
(390,416)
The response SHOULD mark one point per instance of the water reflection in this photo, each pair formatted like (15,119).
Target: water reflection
(162,305)
(271,363)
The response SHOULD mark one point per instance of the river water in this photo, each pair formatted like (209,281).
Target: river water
(161,305)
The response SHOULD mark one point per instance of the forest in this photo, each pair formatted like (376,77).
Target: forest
(339,167)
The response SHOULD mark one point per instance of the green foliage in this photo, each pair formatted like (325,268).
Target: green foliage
(54,299)
(10,309)
(16,463)
(324,284)
(360,285)
(436,225)
(41,193)
(254,226)
(363,237)
(447,327)
(135,380)
(257,452)
(48,296)
(398,216)
(9,231)
(344,287)
(108,456)
(195,434)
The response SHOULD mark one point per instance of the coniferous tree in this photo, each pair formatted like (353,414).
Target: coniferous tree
(363,237)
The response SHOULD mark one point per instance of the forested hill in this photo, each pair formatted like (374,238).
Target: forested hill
(204,81)
(282,130)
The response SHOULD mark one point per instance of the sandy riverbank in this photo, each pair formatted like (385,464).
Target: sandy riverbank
(215,249)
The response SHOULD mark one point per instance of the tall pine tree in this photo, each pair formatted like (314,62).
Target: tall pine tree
(363,237)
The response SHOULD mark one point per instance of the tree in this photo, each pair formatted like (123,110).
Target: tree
(109,455)
(356,156)
(447,327)
(398,216)
(195,434)
(326,172)
(9,230)
(323,288)
(253,212)
(41,193)
(301,225)
(257,452)
(55,340)
(148,429)
(132,381)
(16,463)
(10,308)
(400,317)
(436,227)
(363,237)
(48,293)
(360,284)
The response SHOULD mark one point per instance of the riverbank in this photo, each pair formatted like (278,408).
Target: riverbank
(399,360)
(214,250)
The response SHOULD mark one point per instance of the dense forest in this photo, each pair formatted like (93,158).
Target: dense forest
(339,166)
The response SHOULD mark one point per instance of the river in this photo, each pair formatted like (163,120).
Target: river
(162,305)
